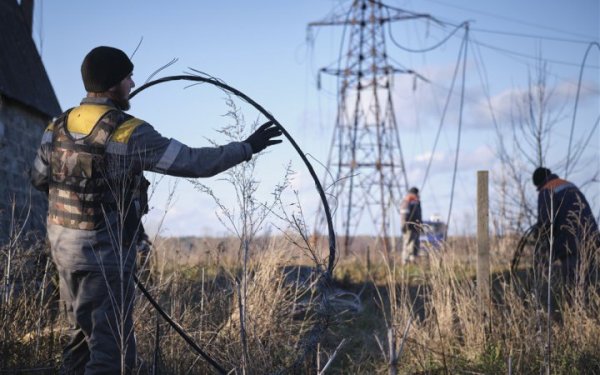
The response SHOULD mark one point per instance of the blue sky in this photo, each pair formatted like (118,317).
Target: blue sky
(261,48)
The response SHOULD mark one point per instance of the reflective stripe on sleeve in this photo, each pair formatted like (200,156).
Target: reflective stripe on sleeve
(169,156)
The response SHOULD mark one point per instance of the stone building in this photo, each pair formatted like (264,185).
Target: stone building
(27,104)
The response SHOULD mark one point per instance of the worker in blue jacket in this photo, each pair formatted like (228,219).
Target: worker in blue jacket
(565,223)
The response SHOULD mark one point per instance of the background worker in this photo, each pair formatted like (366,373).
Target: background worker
(91,162)
(410,212)
(566,221)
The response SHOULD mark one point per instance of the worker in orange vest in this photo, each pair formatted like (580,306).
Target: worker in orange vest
(411,225)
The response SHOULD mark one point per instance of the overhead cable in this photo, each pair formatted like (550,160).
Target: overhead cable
(514,20)
(460,118)
(587,51)
(437,136)
(426,49)
(528,56)
(530,36)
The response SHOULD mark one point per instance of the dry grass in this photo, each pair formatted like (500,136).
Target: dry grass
(423,318)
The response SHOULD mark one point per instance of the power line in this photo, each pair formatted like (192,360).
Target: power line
(510,52)
(500,49)
(485,84)
(445,88)
(460,123)
(523,62)
(437,136)
(577,102)
(531,24)
(531,36)
(520,54)
(438,22)
(579,153)
(426,49)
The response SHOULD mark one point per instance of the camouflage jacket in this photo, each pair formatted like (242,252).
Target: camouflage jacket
(133,147)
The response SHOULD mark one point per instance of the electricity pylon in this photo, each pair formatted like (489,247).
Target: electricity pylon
(365,165)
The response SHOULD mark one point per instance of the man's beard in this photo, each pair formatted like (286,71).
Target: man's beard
(121,102)
(120,99)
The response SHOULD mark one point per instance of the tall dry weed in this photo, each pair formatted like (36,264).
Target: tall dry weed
(450,332)
(30,326)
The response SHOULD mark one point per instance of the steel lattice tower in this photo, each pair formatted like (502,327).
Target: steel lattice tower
(365,163)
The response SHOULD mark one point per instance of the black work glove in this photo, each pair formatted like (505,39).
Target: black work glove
(262,137)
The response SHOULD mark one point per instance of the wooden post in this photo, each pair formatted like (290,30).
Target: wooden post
(483,242)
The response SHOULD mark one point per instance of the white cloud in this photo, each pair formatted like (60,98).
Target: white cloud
(483,157)
(425,157)
(505,105)
(480,158)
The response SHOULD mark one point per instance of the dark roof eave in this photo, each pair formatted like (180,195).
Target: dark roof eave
(23,77)
(37,111)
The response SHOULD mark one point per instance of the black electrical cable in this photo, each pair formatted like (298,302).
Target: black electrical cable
(178,328)
(215,82)
(520,247)
(332,245)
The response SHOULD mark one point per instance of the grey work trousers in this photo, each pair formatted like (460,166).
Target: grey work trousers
(99,308)
(410,245)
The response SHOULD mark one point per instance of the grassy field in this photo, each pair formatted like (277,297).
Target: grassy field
(277,313)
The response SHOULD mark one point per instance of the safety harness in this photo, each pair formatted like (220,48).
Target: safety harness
(79,180)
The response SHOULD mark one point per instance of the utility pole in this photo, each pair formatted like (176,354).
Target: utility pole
(366,166)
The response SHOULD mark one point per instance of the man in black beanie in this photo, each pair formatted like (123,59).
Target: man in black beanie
(91,162)
(566,221)
(103,70)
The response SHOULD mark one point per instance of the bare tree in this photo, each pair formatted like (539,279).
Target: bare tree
(535,113)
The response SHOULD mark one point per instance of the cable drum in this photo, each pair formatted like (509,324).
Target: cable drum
(323,282)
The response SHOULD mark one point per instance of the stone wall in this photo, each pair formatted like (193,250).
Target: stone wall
(21,206)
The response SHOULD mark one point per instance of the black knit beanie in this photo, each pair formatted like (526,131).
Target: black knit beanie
(540,175)
(103,67)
